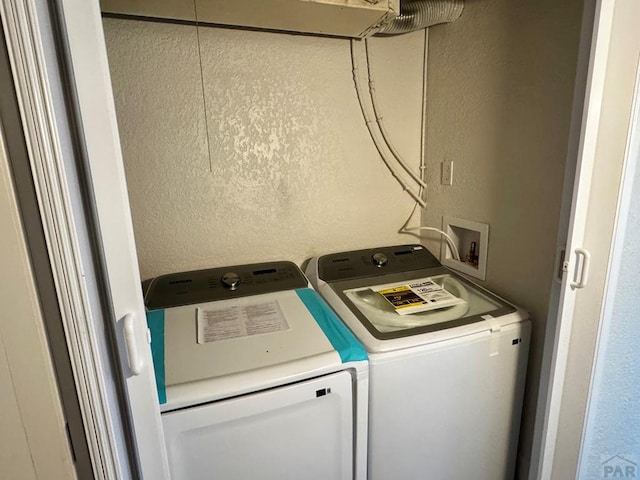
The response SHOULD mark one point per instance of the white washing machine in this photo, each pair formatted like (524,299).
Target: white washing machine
(256,376)
(447,363)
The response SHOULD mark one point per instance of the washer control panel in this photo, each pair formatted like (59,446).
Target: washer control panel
(375,261)
(221,283)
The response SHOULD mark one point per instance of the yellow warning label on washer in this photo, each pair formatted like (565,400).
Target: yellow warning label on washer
(418,296)
(401,297)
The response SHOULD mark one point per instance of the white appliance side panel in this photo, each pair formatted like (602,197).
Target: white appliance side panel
(448,410)
(292,432)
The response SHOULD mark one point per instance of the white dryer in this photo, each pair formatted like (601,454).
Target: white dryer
(447,363)
(256,376)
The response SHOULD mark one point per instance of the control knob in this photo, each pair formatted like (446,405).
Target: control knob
(379,259)
(230,280)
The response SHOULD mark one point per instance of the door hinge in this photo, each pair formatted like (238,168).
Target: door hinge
(563,264)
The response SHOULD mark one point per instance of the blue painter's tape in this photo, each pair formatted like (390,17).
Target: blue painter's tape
(155,321)
(349,348)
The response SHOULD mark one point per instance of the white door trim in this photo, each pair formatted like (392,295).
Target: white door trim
(33,90)
(33,435)
(106,197)
(68,116)
(630,164)
(558,332)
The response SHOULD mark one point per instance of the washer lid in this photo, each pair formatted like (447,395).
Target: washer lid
(403,290)
(399,305)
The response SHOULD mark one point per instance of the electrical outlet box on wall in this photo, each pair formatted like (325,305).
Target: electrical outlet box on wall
(472,241)
(343,18)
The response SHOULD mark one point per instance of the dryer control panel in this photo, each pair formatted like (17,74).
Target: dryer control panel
(199,286)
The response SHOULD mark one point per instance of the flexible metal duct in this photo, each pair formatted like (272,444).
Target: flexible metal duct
(418,14)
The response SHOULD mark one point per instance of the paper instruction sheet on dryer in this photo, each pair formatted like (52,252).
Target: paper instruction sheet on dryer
(416,296)
(215,324)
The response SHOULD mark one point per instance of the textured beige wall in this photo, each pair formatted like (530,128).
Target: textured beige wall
(499,104)
(292,170)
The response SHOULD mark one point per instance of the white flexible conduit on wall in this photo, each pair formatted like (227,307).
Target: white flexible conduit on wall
(383,130)
(414,15)
(389,154)
(417,14)
(377,132)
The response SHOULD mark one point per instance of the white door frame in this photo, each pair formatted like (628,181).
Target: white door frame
(68,117)
(32,421)
(562,306)
(631,163)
